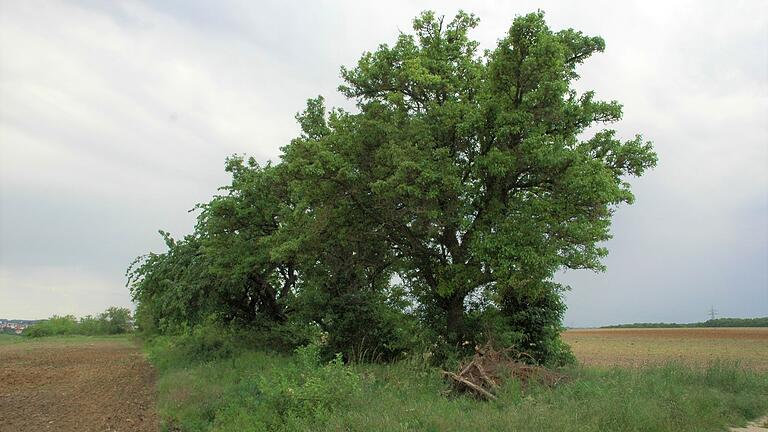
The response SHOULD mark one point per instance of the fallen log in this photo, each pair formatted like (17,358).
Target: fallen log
(485,376)
(470,385)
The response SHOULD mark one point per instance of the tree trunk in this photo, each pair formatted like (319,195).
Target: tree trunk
(266,297)
(274,310)
(455,318)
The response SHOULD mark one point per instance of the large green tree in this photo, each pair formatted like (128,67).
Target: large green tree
(483,174)
(462,183)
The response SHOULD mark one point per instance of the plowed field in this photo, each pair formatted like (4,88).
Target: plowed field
(76,384)
(694,346)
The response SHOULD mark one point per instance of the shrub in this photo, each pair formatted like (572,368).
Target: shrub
(537,317)
(114,320)
(92,326)
(201,344)
(361,325)
(55,325)
(283,337)
(311,391)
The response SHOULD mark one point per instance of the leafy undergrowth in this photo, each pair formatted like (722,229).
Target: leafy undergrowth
(248,390)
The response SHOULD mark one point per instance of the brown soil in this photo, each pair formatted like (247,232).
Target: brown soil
(79,384)
(694,346)
(759,425)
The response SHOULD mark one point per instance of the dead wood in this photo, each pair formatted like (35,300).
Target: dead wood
(470,385)
(485,376)
(484,372)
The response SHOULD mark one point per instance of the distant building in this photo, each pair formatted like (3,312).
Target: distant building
(15,326)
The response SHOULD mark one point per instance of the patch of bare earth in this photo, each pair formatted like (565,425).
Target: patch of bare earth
(760,425)
(694,346)
(78,385)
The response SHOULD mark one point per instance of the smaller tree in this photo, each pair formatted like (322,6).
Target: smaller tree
(116,320)
(174,289)
(230,269)
(90,325)
(236,231)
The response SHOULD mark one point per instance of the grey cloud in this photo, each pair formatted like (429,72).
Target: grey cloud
(115,119)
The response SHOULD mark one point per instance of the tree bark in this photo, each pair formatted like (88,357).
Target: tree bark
(267,298)
(455,318)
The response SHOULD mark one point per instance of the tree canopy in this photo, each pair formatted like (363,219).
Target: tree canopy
(448,199)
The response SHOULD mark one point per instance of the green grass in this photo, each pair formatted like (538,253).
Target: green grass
(259,391)
(63,339)
(6,339)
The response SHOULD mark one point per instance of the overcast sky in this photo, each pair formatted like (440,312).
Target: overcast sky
(116,118)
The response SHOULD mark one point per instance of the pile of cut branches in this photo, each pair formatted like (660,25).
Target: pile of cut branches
(482,375)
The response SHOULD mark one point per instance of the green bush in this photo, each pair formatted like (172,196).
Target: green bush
(249,390)
(282,337)
(92,326)
(114,320)
(363,327)
(316,390)
(55,325)
(201,344)
(536,316)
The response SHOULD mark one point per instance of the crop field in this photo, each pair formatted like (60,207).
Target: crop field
(75,383)
(694,346)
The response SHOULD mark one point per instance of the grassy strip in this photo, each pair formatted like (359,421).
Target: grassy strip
(65,340)
(7,339)
(250,390)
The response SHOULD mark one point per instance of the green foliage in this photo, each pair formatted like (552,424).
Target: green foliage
(171,288)
(361,325)
(202,344)
(467,170)
(735,322)
(248,390)
(255,391)
(228,268)
(316,391)
(55,325)
(236,232)
(212,341)
(114,320)
(537,317)
(441,208)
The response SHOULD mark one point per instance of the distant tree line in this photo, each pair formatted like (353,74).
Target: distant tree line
(115,320)
(435,216)
(718,322)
